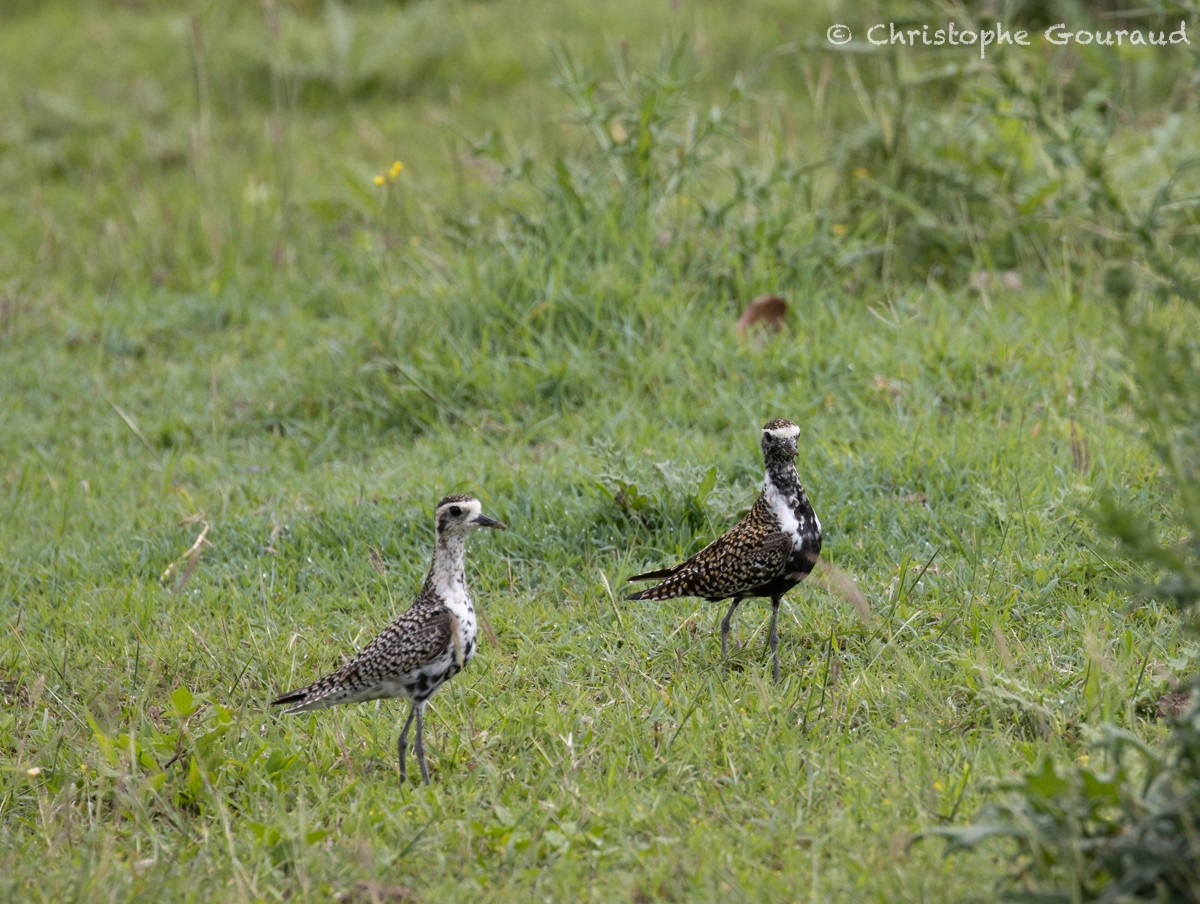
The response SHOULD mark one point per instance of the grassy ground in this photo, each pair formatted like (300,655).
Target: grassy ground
(212,320)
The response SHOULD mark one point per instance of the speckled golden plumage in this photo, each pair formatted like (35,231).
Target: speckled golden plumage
(765,554)
(423,648)
(748,555)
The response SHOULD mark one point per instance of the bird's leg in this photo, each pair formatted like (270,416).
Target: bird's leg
(403,744)
(419,708)
(725,622)
(775,601)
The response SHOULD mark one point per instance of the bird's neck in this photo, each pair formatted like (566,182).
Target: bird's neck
(445,576)
(447,583)
(781,477)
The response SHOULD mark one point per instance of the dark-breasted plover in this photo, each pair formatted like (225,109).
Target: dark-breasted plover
(423,648)
(766,554)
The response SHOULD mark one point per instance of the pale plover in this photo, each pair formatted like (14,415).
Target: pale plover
(766,554)
(423,648)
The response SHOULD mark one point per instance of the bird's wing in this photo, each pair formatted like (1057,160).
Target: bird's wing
(659,574)
(414,639)
(733,564)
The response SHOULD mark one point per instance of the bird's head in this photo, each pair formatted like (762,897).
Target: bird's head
(779,440)
(459,513)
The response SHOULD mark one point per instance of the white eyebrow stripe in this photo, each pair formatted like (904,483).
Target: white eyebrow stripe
(472,505)
(784,432)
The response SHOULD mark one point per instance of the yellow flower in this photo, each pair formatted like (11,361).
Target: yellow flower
(839,228)
(396,170)
(860,172)
(379,180)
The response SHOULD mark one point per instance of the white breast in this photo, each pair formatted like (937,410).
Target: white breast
(784,511)
(456,598)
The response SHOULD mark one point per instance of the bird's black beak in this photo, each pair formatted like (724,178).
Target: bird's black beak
(485,521)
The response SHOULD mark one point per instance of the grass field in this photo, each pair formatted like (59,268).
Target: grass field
(212,320)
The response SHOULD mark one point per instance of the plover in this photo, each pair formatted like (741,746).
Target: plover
(423,648)
(766,554)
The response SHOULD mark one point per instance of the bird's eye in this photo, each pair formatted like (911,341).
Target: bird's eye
(455,511)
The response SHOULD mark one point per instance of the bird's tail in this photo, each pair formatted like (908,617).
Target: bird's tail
(653,593)
(668,589)
(291,697)
(318,695)
(299,701)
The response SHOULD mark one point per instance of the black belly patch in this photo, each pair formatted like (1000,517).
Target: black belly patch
(425,683)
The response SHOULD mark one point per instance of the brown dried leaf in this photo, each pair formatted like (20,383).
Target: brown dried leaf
(768,311)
